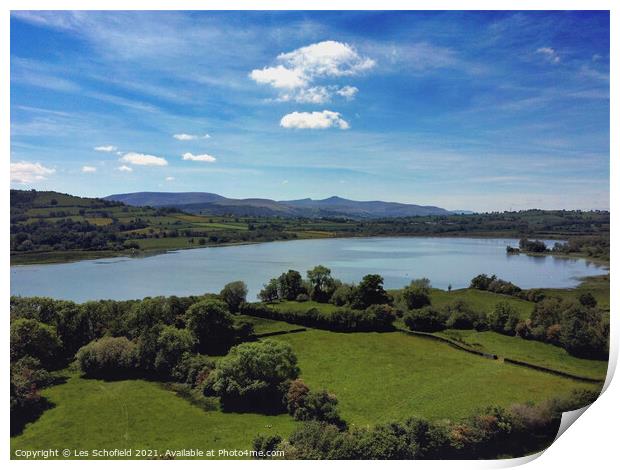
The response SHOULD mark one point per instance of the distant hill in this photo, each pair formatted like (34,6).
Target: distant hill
(209,203)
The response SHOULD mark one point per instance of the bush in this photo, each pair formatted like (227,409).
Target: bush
(305,405)
(265,445)
(30,337)
(171,345)
(108,357)
(251,376)
(587,300)
(192,369)
(369,292)
(234,294)
(504,319)
(461,316)
(343,295)
(302,298)
(583,334)
(427,319)
(212,325)
(416,295)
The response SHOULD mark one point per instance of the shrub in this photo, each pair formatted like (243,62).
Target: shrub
(416,296)
(548,312)
(426,319)
(212,325)
(504,319)
(461,316)
(587,300)
(234,294)
(108,357)
(582,333)
(30,337)
(192,369)
(265,445)
(252,375)
(342,295)
(171,345)
(302,298)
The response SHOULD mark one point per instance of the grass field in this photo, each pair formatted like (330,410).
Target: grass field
(265,325)
(481,301)
(136,414)
(598,286)
(534,352)
(379,377)
(292,306)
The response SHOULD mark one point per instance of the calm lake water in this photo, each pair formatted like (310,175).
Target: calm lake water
(443,260)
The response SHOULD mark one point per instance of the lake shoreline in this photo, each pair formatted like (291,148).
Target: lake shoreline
(76,256)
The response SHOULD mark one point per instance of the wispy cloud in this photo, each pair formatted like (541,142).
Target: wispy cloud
(124,168)
(89,169)
(191,136)
(199,158)
(549,53)
(105,148)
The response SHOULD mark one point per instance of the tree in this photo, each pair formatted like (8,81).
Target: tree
(587,300)
(212,325)
(582,332)
(342,295)
(504,318)
(290,285)
(269,293)
(322,283)
(234,294)
(252,375)
(370,292)
(171,345)
(108,357)
(417,294)
(32,338)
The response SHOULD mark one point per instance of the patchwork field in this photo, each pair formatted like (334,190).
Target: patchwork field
(534,352)
(379,377)
(137,414)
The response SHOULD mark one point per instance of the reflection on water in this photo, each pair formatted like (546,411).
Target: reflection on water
(443,260)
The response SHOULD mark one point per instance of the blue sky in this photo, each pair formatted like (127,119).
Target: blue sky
(464,110)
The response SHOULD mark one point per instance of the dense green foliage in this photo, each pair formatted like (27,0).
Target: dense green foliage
(254,375)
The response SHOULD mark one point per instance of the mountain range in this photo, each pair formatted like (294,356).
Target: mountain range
(210,203)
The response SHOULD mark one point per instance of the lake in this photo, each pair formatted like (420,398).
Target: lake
(444,261)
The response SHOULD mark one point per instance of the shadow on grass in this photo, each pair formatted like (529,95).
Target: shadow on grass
(20,418)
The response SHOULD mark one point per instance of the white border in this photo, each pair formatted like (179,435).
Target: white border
(590,444)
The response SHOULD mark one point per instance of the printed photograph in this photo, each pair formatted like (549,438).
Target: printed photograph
(294,235)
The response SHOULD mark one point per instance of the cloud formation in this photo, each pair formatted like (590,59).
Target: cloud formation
(314,120)
(105,148)
(549,53)
(125,168)
(169,178)
(27,172)
(143,159)
(88,169)
(191,136)
(297,70)
(199,158)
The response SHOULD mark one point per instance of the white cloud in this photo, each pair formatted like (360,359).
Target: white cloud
(298,69)
(326,59)
(279,77)
(199,158)
(88,169)
(169,178)
(191,136)
(125,168)
(314,120)
(27,172)
(550,53)
(143,159)
(105,148)
(348,92)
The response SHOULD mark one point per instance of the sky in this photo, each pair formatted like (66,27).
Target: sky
(476,111)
